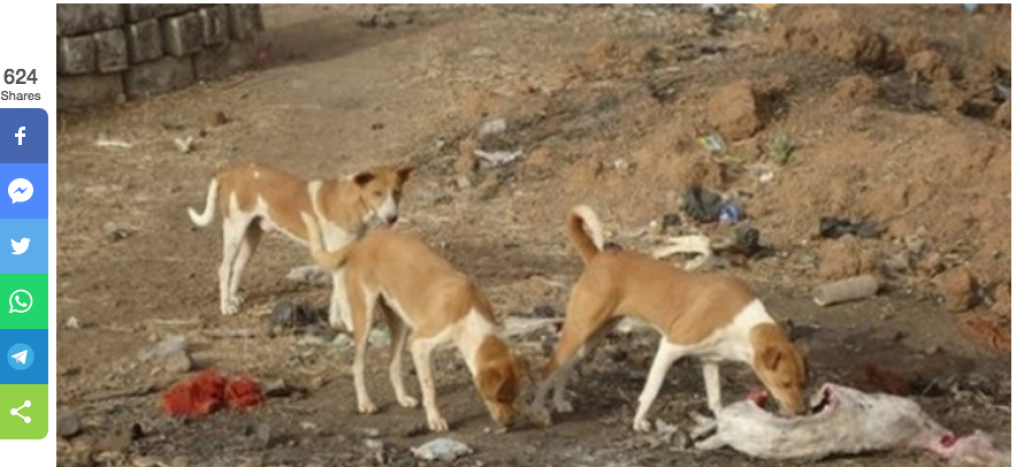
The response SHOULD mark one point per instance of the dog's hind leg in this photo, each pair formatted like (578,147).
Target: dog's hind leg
(667,354)
(340,312)
(234,236)
(250,240)
(362,314)
(586,319)
(422,347)
(399,332)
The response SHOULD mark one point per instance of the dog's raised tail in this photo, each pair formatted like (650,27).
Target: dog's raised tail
(587,245)
(204,219)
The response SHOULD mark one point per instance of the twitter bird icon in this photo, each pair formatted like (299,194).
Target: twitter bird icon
(20,247)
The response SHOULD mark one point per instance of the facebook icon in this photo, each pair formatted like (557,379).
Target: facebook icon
(15,145)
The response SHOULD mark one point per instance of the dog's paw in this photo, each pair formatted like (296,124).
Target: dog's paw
(228,309)
(641,425)
(437,423)
(539,417)
(237,300)
(367,407)
(408,401)
(562,406)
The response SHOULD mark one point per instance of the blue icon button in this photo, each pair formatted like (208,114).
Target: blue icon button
(24,136)
(20,357)
(23,191)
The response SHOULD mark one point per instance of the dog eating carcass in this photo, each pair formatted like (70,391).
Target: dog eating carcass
(843,420)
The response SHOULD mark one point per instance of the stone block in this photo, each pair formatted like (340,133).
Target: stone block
(227,59)
(167,73)
(78,18)
(215,24)
(146,11)
(144,41)
(85,90)
(111,50)
(76,55)
(244,20)
(183,35)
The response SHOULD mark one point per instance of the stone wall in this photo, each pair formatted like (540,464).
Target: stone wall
(109,52)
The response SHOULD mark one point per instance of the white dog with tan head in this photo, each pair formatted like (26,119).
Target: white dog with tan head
(254,198)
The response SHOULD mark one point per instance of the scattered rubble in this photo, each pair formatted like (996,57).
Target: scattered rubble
(833,227)
(68,425)
(288,315)
(733,110)
(312,275)
(850,289)
(442,449)
(958,289)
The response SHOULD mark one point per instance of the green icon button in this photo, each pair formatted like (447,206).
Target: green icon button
(24,411)
(27,297)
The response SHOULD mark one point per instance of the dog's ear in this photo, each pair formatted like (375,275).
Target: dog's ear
(769,357)
(362,178)
(497,385)
(404,172)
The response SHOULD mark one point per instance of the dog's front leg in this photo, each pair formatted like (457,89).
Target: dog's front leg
(421,350)
(713,386)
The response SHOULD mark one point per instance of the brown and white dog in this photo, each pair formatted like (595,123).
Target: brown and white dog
(715,318)
(422,293)
(254,198)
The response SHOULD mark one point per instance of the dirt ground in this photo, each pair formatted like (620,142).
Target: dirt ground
(895,115)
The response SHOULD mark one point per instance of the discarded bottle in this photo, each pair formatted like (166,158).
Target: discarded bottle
(846,290)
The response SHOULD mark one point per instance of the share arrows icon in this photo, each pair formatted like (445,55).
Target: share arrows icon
(15,412)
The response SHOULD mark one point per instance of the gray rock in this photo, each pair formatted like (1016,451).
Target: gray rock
(307,274)
(168,73)
(290,315)
(178,362)
(167,346)
(215,24)
(244,20)
(111,50)
(68,425)
(443,449)
(85,90)
(73,19)
(276,388)
(144,41)
(76,55)
(182,35)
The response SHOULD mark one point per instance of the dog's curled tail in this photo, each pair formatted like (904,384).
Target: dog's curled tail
(329,260)
(587,245)
(204,219)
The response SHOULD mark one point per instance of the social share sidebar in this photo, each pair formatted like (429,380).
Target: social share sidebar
(24,249)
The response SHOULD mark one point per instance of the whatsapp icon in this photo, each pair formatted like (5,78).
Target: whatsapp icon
(28,301)
(21,301)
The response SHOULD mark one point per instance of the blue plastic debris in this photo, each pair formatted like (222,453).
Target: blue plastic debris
(729,214)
